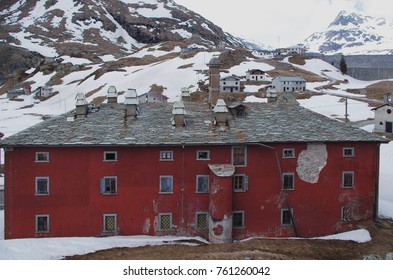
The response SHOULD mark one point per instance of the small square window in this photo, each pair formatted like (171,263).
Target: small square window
(166,184)
(110,156)
(202,184)
(166,155)
(288,182)
(239,156)
(42,157)
(348,179)
(346,214)
(42,223)
(202,220)
(348,152)
(110,222)
(165,221)
(203,155)
(42,185)
(286,217)
(288,153)
(238,219)
(240,183)
(108,185)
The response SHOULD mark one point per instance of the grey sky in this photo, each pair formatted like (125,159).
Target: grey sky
(281,22)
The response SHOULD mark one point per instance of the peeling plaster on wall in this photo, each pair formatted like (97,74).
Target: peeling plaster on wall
(223,228)
(146,226)
(311,162)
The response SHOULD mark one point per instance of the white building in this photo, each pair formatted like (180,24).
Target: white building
(44,91)
(383,121)
(230,84)
(289,84)
(255,75)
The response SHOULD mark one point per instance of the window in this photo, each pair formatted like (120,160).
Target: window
(202,183)
(203,155)
(288,181)
(108,185)
(110,222)
(240,183)
(42,185)
(239,155)
(166,184)
(42,157)
(238,219)
(110,156)
(288,153)
(201,220)
(42,223)
(348,179)
(166,155)
(348,152)
(286,217)
(346,214)
(165,221)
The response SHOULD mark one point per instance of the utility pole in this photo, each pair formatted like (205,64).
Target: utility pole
(346,109)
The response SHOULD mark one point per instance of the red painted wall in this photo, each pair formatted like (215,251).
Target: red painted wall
(76,206)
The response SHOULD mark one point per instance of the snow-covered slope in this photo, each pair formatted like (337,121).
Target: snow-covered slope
(101,26)
(352,33)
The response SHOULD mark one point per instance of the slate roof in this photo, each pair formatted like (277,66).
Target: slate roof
(264,123)
(289,79)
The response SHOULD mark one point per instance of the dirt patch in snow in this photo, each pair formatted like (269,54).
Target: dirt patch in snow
(261,248)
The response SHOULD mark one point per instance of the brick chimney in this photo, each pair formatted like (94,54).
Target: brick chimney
(112,95)
(131,101)
(81,105)
(214,79)
(220,112)
(178,113)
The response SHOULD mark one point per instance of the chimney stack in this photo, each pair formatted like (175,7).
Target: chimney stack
(185,95)
(112,95)
(214,79)
(220,112)
(271,96)
(179,113)
(81,105)
(131,101)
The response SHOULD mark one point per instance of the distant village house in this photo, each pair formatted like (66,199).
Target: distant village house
(151,97)
(289,84)
(255,75)
(384,116)
(44,91)
(230,84)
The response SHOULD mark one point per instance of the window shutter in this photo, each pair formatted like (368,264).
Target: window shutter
(102,185)
(245,183)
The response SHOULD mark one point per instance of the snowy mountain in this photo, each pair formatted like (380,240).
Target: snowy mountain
(352,33)
(67,27)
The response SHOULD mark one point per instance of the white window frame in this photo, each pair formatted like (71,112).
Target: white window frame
(283,187)
(164,155)
(197,183)
(160,215)
(244,186)
(206,214)
(349,149)
(352,173)
(48,223)
(108,153)
(103,187)
(161,190)
(345,219)
(233,214)
(104,222)
(36,185)
(291,152)
(245,156)
(37,154)
(282,217)
(202,151)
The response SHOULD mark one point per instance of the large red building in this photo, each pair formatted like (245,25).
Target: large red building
(185,169)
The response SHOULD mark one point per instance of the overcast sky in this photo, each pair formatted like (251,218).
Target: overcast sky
(281,23)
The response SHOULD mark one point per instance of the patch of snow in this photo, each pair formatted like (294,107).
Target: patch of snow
(75,60)
(183,33)
(253,98)
(359,236)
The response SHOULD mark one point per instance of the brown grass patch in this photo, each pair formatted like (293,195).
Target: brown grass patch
(185,66)
(90,93)
(375,91)
(98,100)
(298,59)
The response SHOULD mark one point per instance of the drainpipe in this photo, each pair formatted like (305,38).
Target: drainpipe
(376,181)
(281,181)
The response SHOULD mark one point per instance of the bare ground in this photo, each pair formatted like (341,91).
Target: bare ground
(262,249)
